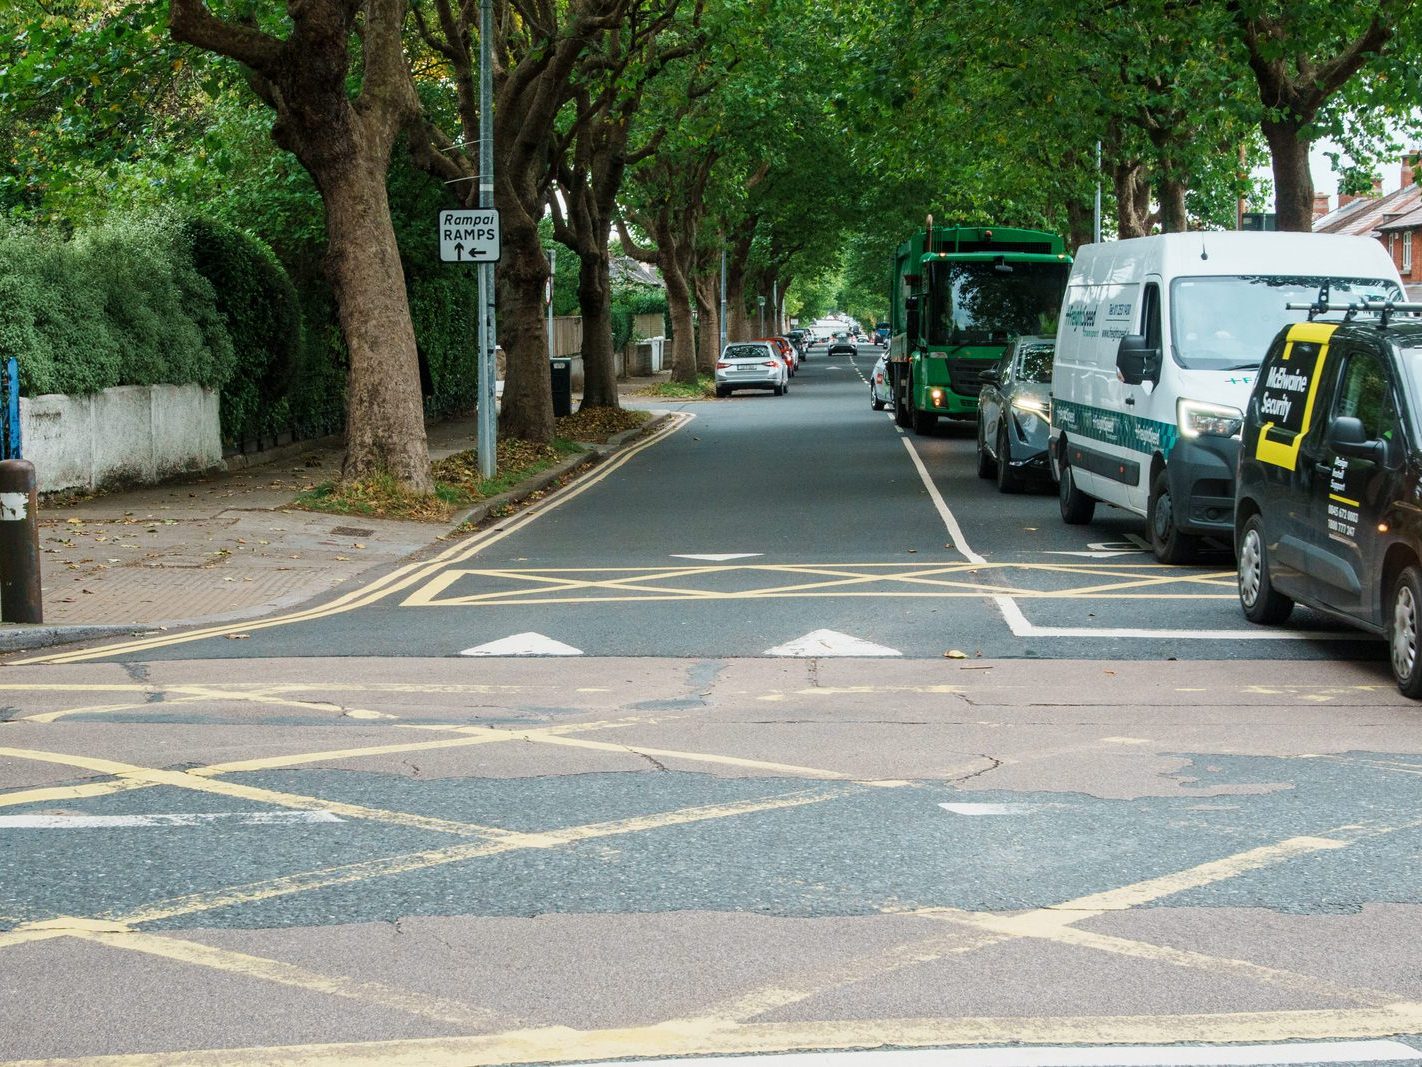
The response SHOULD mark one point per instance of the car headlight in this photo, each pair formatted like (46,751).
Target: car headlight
(1198,419)
(1030,405)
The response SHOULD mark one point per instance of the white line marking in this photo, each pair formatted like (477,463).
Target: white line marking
(830,643)
(111,822)
(955,532)
(1074,1056)
(1021,627)
(525,644)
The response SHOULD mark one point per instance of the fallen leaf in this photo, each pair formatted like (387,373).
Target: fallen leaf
(236,637)
(953,653)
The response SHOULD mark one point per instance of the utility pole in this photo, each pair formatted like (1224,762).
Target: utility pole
(488,371)
(1096,229)
(760,303)
(775,307)
(723,300)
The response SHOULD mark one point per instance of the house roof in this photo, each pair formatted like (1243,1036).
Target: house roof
(1406,221)
(624,270)
(1366,220)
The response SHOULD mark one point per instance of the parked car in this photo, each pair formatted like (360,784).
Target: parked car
(881,394)
(842,345)
(1330,463)
(787,352)
(751,365)
(1013,412)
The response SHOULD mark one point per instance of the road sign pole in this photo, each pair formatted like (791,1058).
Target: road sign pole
(488,420)
(723,300)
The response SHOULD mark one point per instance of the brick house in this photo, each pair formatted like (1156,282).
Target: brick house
(1395,219)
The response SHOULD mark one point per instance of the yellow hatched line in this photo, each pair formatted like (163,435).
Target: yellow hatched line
(716,1037)
(179,950)
(386,866)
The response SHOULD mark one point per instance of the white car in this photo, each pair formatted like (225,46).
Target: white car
(880,396)
(751,365)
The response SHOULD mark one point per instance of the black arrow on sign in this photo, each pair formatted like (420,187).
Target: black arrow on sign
(458,250)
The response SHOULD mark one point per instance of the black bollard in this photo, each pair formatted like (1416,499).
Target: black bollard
(19,543)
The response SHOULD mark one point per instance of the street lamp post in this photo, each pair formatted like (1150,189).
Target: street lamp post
(760,303)
(488,422)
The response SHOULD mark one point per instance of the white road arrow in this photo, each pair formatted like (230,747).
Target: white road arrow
(529,644)
(714,557)
(1107,549)
(830,643)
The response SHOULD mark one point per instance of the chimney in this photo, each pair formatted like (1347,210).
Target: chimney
(1408,162)
(1344,199)
(1377,186)
(1320,205)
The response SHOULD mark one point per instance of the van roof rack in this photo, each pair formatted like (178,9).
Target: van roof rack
(1385,309)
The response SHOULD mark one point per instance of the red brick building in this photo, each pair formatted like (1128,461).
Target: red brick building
(1395,219)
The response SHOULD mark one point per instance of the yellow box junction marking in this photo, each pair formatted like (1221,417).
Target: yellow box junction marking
(572,585)
(722,1029)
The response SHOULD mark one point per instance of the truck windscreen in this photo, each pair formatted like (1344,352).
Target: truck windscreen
(981,302)
(1226,322)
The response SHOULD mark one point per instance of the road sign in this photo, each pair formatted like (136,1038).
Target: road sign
(469,235)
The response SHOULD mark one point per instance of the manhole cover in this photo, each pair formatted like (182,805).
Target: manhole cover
(350,531)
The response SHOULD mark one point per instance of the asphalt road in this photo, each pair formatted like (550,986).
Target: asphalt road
(760,520)
(336,840)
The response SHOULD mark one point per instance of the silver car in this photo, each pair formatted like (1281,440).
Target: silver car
(751,365)
(880,390)
(1013,414)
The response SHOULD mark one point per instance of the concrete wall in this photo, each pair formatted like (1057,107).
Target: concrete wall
(134,433)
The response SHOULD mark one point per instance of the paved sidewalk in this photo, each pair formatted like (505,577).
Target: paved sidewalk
(214,547)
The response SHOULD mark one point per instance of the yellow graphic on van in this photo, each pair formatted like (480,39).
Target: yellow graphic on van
(1287,393)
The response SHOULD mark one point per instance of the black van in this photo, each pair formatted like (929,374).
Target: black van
(1328,498)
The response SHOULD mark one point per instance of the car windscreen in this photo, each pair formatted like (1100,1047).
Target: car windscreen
(1226,322)
(734,352)
(978,302)
(1034,363)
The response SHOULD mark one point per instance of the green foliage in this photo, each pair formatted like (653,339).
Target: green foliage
(120,304)
(443,308)
(259,306)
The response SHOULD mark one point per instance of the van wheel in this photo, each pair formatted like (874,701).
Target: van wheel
(1170,544)
(1257,596)
(1402,626)
(1077,507)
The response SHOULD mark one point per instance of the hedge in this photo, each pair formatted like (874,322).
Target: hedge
(121,304)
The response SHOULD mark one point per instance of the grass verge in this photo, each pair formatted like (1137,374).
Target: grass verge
(704,389)
(457,484)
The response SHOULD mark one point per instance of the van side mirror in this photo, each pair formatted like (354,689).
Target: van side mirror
(911,318)
(1347,437)
(1136,360)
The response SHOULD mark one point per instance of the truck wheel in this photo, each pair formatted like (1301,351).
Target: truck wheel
(923,421)
(901,407)
(1402,625)
(1008,480)
(1077,507)
(1257,596)
(1170,544)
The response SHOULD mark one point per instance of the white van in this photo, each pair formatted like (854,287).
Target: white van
(1157,348)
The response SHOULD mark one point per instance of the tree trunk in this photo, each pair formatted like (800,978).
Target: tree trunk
(1173,217)
(1293,181)
(383,403)
(679,311)
(1081,223)
(708,311)
(527,408)
(595,303)
(1132,201)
